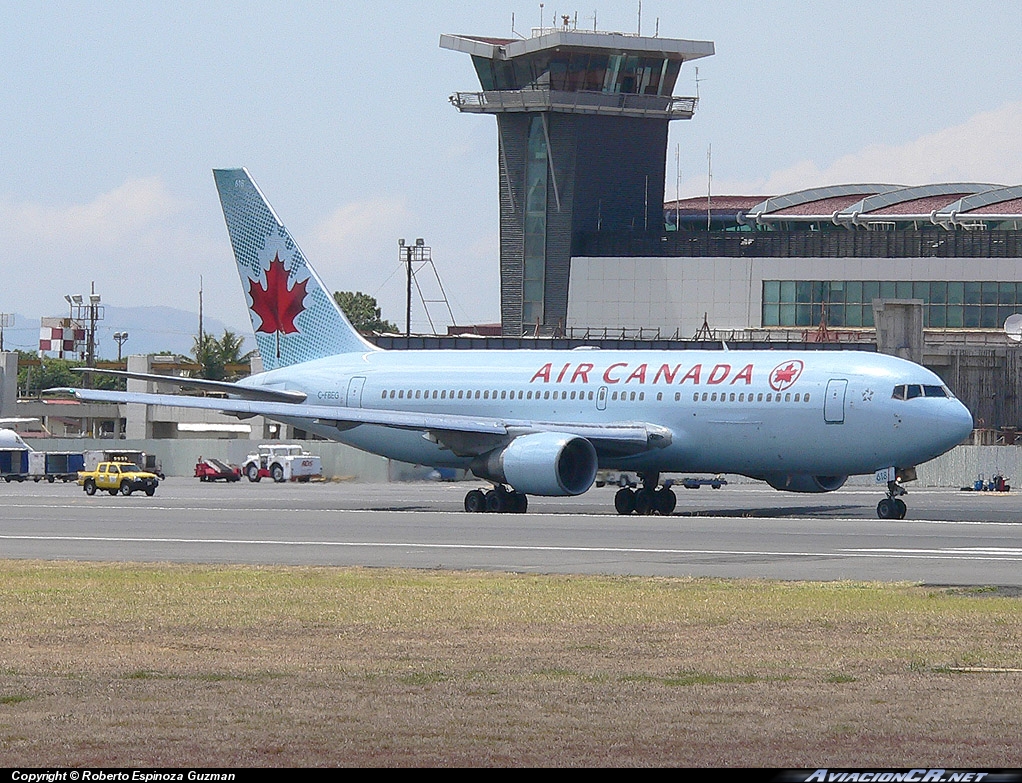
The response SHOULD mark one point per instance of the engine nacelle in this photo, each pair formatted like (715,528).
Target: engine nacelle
(542,463)
(803,482)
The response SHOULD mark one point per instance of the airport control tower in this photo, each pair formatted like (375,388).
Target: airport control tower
(582,128)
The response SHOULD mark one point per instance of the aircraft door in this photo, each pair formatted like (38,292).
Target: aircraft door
(355,386)
(834,402)
(601,399)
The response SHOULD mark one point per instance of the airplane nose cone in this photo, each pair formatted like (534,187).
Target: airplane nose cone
(959,423)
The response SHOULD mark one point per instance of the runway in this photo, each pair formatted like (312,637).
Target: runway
(748,531)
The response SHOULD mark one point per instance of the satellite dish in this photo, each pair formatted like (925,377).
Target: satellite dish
(1013,327)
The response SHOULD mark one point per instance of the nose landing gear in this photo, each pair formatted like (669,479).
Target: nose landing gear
(647,499)
(892,506)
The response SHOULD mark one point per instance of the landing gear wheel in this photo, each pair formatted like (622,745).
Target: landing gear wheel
(624,501)
(520,502)
(644,502)
(475,501)
(664,501)
(496,501)
(893,507)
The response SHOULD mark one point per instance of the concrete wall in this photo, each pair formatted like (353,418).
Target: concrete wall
(8,384)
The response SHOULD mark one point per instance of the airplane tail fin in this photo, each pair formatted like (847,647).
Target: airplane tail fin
(294,317)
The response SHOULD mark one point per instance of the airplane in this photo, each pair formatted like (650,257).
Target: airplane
(543,422)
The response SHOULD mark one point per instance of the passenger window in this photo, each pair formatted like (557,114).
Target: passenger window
(806,398)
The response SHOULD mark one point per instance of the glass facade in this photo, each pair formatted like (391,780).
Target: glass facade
(956,305)
(580,71)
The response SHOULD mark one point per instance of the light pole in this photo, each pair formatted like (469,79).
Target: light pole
(407,251)
(120,337)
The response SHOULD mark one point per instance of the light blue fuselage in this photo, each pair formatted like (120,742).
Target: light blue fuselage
(756,413)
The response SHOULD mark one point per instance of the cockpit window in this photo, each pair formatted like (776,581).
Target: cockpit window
(909,391)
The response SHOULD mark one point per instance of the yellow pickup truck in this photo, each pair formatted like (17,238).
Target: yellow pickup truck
(114,477)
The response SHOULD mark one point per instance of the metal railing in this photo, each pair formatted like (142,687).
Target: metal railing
(577,102)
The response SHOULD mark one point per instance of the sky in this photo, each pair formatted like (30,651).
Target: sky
(112,115)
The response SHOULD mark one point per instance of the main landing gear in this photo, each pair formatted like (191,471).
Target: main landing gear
(647,499)
(892,506)
(497,500)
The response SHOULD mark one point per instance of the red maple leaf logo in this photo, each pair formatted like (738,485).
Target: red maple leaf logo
(276,306)
(784,375)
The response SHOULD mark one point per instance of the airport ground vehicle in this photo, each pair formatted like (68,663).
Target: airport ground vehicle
(14,464)
(147,462)
(212,469)
(114,477)
(282,462)
(55,465)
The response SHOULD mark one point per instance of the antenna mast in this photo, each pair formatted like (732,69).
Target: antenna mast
(709,181)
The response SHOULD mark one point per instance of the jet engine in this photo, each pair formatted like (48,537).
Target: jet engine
(803,482)
(542,463)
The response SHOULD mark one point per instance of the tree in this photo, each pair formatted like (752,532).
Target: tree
(214,355)
(38,374)
(363,312)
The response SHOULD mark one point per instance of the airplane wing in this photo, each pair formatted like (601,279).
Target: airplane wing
(228,387)
(464,435)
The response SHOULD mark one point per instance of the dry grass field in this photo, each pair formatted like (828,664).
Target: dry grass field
(157,665)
